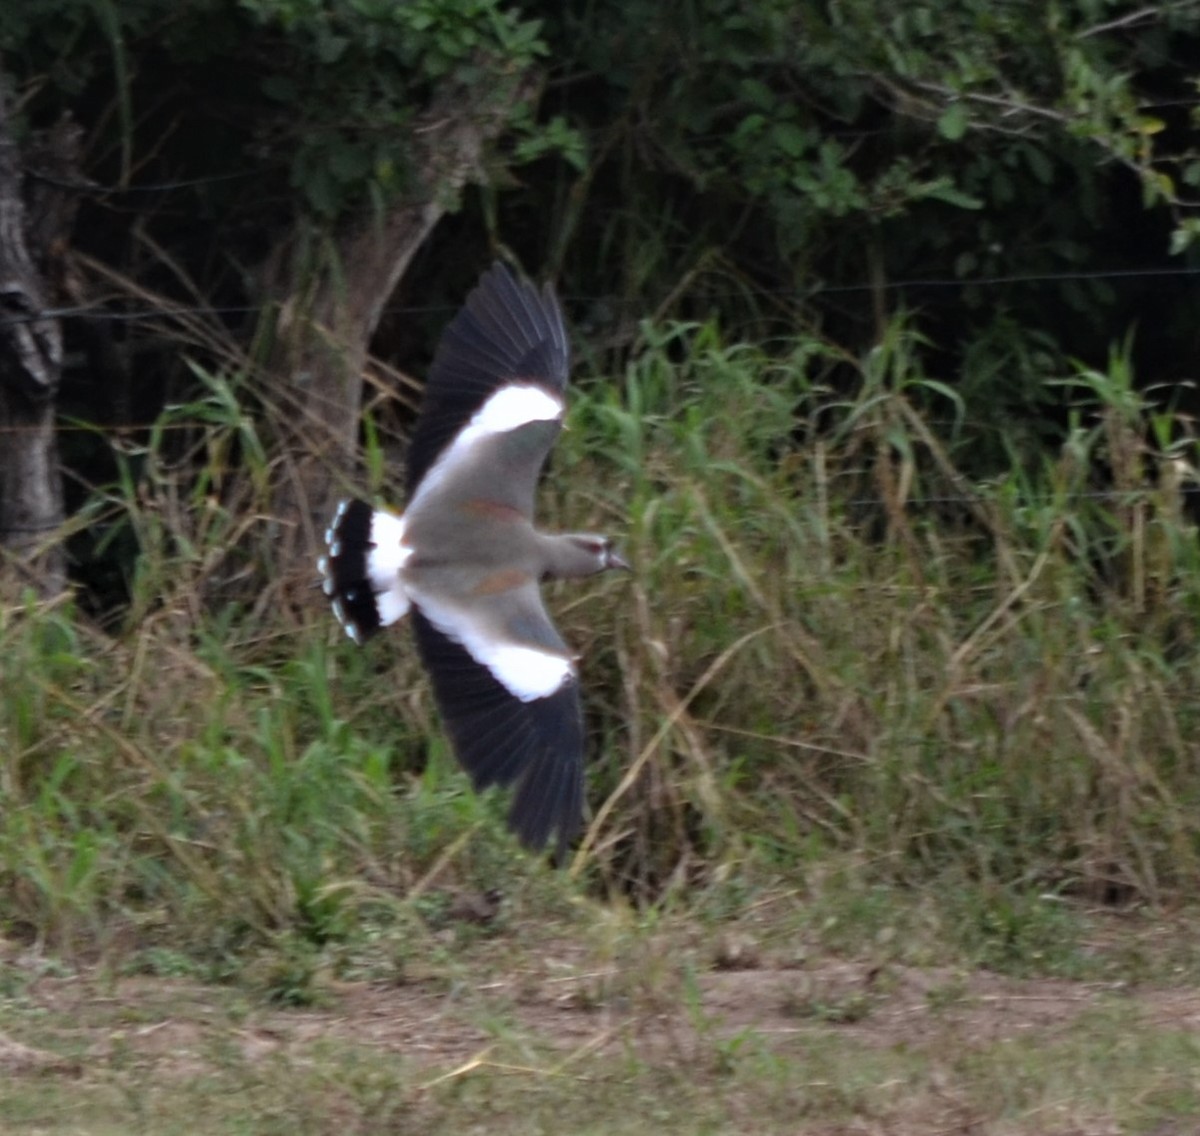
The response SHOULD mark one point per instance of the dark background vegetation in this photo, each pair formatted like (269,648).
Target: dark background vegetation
(886,328)
(1017,177)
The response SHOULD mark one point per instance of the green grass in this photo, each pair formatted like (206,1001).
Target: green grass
(808,661)
(852,704)
(604,1023)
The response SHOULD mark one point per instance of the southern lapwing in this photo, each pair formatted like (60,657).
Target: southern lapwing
(467,560)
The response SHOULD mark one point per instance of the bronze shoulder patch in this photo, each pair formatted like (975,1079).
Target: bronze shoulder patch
(503,581)
(484,509)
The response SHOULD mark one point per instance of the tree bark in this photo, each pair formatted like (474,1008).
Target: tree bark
(325,329)
(31,500)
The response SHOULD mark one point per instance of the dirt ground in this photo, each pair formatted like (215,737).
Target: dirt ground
(169,1019)
(585,1015)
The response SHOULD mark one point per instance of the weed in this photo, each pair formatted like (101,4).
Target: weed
(836,650)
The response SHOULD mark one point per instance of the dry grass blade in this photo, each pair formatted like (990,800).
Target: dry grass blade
(634,771)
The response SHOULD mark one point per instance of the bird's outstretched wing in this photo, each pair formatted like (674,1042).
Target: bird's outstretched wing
(509,696)
(501,365)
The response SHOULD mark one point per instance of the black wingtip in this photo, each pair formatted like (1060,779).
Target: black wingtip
(507,330)
(548,803)
(534,747)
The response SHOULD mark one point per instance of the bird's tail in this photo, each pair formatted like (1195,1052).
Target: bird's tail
(365,552)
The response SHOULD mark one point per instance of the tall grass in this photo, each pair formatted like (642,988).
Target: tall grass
(834,642)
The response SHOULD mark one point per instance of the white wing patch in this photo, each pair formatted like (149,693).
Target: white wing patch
(512,406)
(392,605)
(525,672)
(515,405)
(385,559)
(384,556)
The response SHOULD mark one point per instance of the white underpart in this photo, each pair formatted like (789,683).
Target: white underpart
(525,672)
(517,404)
(384,562)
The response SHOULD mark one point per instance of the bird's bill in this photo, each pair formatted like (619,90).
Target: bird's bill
(613,559)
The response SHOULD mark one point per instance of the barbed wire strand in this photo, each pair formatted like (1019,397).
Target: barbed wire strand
(1111,496)
(933,283)
(96,312)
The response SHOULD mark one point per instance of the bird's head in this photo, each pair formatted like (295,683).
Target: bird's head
(584,554)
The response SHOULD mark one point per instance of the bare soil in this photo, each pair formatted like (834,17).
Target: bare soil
(575,1017)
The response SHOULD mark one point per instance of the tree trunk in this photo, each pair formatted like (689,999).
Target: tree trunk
(31,501)
(325,329)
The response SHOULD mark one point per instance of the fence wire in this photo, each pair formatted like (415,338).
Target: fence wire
(97,312)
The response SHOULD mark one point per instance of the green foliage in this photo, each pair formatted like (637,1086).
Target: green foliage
(781,163)
(947,693)
(766,159)
(210,776)
(915,581)
(367,67)
(330,88)
(768,89)
(835,646)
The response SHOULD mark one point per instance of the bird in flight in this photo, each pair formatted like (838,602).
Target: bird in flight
(467,561)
